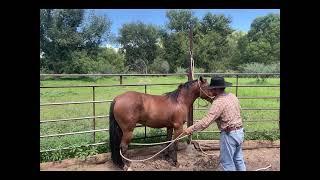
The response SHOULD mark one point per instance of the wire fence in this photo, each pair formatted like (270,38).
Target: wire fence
(94,117)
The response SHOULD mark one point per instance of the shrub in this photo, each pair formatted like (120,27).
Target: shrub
(80,63)
(159,66)
(198,70)
(260,68)
(181,70)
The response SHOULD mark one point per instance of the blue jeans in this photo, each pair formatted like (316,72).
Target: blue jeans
(231,156)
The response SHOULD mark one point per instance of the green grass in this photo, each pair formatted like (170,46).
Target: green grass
(266,130)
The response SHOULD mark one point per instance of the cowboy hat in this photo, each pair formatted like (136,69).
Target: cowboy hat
(218,82)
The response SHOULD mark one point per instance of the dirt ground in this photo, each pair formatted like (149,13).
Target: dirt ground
(190,158)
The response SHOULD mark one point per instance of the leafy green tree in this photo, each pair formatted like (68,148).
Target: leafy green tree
(64,35)
(212,47)
(180,20)
(139,44)
(262,43)
(109,61)
(217,23)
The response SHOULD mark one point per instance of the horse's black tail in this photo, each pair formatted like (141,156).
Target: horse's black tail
(115,135)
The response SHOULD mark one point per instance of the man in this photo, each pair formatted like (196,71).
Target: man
(225,110)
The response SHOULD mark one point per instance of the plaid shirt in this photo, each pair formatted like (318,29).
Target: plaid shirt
(225,110)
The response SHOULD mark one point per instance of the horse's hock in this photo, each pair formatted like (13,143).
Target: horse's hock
(257,154)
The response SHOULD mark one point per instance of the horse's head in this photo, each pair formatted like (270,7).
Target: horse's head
(204,92)
(191,90)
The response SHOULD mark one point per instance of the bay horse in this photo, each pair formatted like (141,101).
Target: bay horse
(156,111)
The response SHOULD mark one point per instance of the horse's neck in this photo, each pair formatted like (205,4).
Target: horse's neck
(188,97)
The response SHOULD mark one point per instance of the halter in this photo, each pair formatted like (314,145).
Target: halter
(211,97)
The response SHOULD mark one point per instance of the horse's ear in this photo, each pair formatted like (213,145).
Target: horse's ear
(201,79)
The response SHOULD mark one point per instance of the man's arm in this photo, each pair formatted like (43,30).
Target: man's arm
(214,112)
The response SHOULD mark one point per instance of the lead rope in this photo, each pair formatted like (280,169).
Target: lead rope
(141,160)
(211,97)
(201,90)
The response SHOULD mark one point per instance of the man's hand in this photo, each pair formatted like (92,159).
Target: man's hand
(187,131)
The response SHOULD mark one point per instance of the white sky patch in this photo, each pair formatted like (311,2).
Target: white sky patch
(110,46)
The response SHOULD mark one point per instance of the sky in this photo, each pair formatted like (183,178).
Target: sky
(241,18)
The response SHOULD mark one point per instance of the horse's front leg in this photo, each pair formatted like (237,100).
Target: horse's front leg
(126,139)
(177,132)
(169,138)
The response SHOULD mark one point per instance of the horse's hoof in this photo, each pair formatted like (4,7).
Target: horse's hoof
(129,169)
(126,168)
(165,154)
(173,163)
(166,157)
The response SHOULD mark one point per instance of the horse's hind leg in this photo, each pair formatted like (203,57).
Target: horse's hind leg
(126,139)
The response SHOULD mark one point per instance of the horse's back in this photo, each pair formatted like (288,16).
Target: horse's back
(151,110)
(133,99)
(128,93)
(134,95)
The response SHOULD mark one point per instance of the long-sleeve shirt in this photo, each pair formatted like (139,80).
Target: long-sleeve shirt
(225,110)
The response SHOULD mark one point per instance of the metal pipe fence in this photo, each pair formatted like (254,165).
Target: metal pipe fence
(94,101)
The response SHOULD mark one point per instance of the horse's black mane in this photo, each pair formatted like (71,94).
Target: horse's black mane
(175,94)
